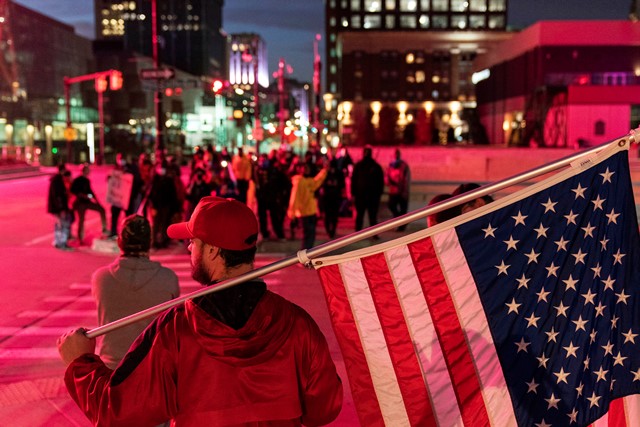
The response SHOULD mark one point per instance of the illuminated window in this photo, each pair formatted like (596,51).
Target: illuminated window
(390,4)
(344,4)
(356,22)
(477,21)
(408,21)
(372,6)
(355,4)
(459,21)
(372,21)
(345,22)
(132,5)
(424,5)
(411,78)
(459,5)
(408,5)
(420,76)
(424,21)
(332,21)
(440,5)
(478,5)
(410,58)
(496,22)
(333,69)
(390,21)
(497,5)
(439,21)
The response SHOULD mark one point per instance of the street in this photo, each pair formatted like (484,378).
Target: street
(45,292)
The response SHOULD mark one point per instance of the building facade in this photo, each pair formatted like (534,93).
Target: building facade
(34,64)
(578,84)
(399,71)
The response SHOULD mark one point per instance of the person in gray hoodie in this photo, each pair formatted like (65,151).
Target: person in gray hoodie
(130,284)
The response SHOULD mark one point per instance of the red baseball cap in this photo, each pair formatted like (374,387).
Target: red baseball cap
(224,223)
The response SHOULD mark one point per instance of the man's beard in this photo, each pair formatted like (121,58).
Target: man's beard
(198,272)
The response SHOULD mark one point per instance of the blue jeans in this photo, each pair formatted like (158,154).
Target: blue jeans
(308,231)
(62,228)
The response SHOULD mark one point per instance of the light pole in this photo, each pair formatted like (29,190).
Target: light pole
(157,98)
(317,87)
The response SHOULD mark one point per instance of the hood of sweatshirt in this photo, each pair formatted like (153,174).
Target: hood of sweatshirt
(263,334)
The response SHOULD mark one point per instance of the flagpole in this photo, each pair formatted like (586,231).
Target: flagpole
(305,256)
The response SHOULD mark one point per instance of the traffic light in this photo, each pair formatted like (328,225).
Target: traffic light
(115,80)
(217,86)
(101,84)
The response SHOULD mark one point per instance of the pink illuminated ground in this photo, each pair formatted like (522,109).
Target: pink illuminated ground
(44,292)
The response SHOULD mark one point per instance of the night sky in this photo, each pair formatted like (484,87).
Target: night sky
(289,27)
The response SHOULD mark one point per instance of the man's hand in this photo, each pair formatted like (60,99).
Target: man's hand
(74,344)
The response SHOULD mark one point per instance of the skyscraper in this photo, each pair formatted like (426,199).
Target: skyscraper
(189,31)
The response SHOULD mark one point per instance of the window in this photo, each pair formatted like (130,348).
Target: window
(424,21)
(440,5)
(440,21)
(332,21)
(459,5)
(477,21)
(408,5)
(424,5)
(390,21)
(345,22)
(390,4)
(459,21)
(372,6)
(333,69)
(420,76)
(372,21)
(355,5)
(356,22)
(478,5)
(408,21)
(496,22)
(497,5)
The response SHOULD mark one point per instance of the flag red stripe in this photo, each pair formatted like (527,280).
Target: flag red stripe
(399,341)
(616,414)
(450,335)
(344,326)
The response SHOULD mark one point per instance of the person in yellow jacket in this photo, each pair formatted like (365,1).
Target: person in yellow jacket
(241,167)
(303,205)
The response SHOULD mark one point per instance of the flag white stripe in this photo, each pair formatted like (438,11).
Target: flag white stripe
(632,409)
(475,327)
(374,345)
(423,335)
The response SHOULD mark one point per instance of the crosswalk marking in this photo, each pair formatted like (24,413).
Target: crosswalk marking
(70,298)
(58,313)
(29,353)
(33,331)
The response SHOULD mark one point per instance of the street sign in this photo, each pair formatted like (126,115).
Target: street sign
(157,73)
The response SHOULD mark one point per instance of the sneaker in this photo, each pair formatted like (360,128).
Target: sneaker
(65,248)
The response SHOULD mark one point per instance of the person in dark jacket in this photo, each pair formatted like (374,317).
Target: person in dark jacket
(85,199)
(367,185)
(163,196)
(58,205)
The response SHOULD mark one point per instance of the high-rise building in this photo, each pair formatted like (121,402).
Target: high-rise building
(248,57)
(189,31)
(399,71)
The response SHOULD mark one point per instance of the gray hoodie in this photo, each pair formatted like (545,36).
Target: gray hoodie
(127,286)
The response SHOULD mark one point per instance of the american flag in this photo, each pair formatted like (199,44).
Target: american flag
(525,312)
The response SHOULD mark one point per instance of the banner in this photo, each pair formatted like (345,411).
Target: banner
(119,189)
(524,312)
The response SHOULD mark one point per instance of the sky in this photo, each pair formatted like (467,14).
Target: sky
(289,26)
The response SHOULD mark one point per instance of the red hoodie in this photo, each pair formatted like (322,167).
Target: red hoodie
(275,370)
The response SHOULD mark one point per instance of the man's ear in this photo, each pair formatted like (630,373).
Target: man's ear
(212,252)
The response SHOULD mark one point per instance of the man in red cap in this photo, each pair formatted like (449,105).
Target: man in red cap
(239,356)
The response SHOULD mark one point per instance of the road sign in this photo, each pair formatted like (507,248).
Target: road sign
(157,73)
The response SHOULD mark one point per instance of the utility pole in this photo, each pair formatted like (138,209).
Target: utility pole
(157,98)
(317,88)
(282,111)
